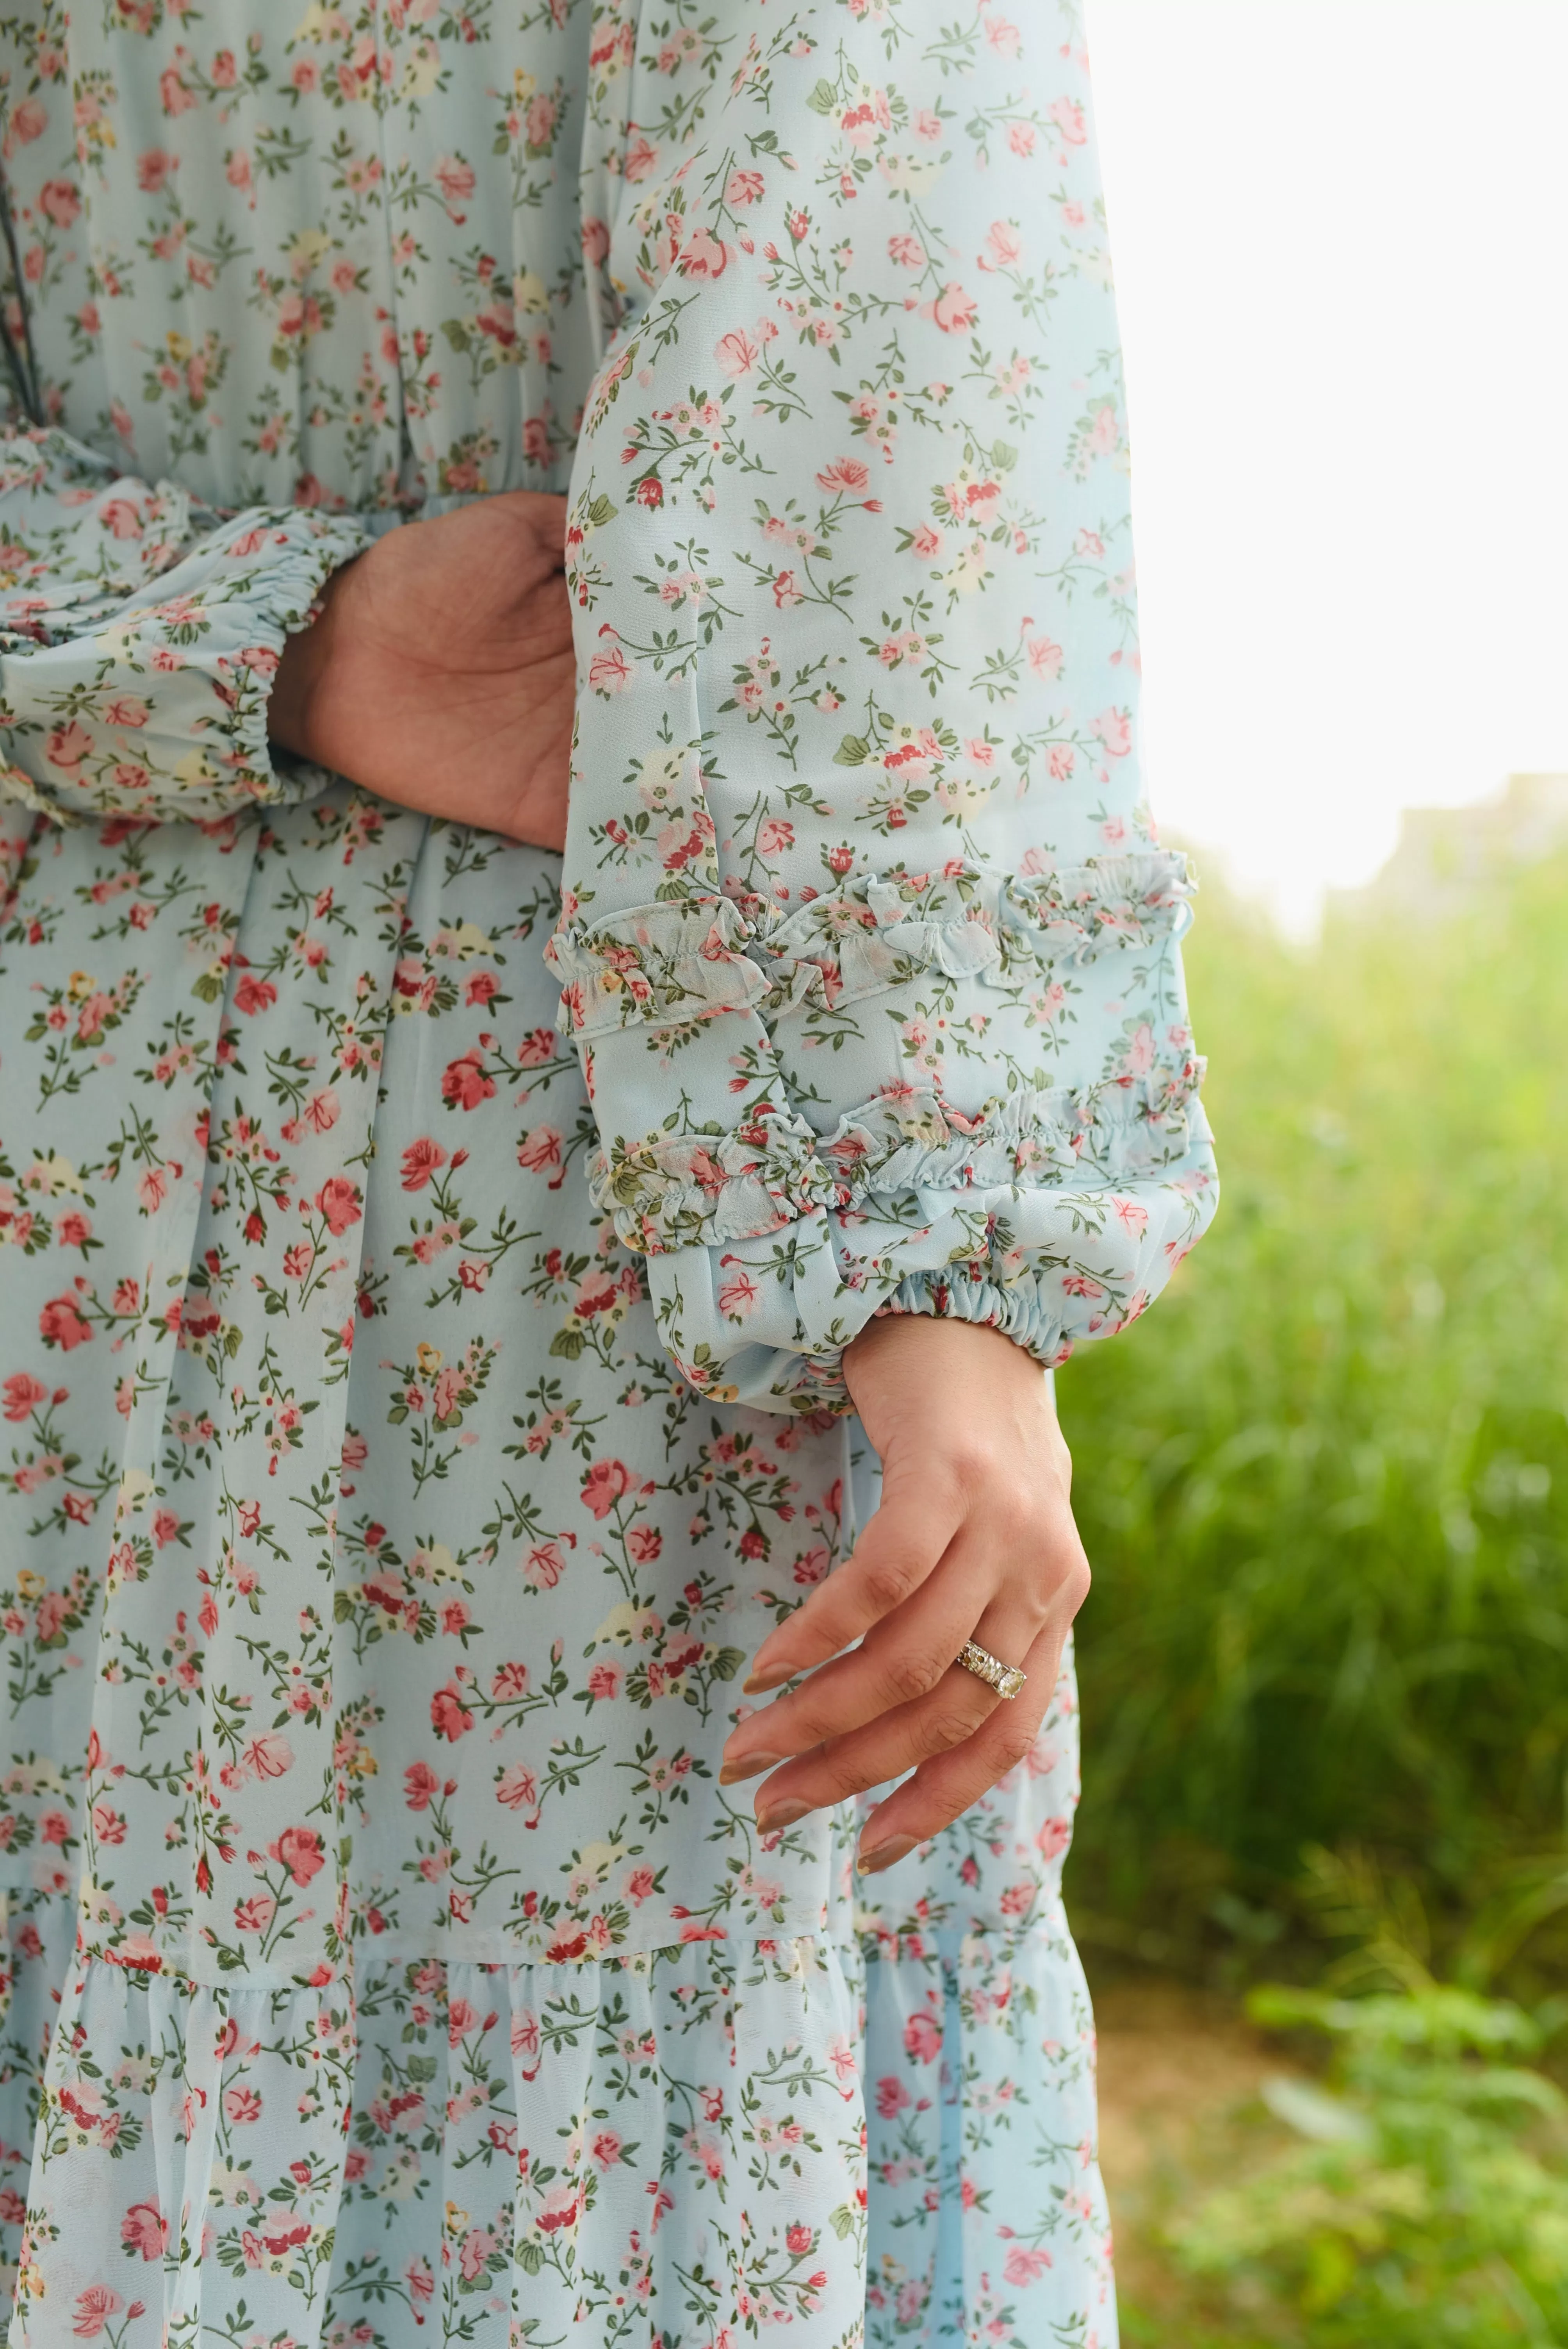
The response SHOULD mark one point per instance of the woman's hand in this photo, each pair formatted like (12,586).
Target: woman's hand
(440,672)
(974,1538)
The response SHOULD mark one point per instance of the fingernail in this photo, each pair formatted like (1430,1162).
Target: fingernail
(771,1676)
(750,1766)
(885,1854)
(781,1815)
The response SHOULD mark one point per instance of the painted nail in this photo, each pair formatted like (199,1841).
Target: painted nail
(750,1766)
(771,1676)
(885,1854)
(782,1815)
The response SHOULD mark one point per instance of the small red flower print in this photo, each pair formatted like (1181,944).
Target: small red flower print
(23,1395)
(464,1082)
(60,1324)
(339,1201)
(253,995)
(449,1717)
(420,1161)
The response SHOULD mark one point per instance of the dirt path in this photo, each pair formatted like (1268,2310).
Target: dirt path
(1174,2067)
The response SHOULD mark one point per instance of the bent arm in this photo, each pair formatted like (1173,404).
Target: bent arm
(869,947)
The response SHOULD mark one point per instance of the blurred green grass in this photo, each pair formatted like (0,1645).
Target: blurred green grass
(1324,1486)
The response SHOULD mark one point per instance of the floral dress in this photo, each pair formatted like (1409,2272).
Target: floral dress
(427,1261)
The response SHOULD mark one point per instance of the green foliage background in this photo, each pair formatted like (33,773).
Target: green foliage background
(1325,1488)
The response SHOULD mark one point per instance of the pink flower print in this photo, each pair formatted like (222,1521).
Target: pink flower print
(845,477)
(23,1395)
(1053,1838)
(953,310)
(609,671)
(737,353)
(449,1717)
(61,1324)
(703,256)
(457,181)
(145,2229)
(740,1295)
(1069,116)
(268,1754)
(892,2096)
(94,2308)
(518,1789)
(339,1201)
(1024,2264)
(421,1159)
(465,1082)
(1138,1057)
(299,1850)
(607,1481)
(1004,247)
(923,2036)
(539,1153)
(67,746)
(544,1565)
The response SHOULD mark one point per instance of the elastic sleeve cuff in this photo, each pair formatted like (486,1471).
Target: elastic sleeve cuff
(160,711)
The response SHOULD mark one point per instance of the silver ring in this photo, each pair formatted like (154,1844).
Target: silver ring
(1005,1679)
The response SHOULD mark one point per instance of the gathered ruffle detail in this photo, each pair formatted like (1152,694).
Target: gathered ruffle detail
(967,921)
(658,965)
(988,2218)
(557,2150)
(690,959)
(672,1191)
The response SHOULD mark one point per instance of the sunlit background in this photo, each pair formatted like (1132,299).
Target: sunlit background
(1320,1872)
(1340,229)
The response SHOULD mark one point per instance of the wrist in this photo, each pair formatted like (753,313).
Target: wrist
(303,665)
(925,1347)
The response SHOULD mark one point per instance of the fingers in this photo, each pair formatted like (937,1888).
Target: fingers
(887,1746)
(898,1550)
(947,1785)
(901,1660)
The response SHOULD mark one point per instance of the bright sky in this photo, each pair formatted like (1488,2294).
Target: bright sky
(1340,229)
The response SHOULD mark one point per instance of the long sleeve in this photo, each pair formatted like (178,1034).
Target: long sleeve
(868,946)
(137,647)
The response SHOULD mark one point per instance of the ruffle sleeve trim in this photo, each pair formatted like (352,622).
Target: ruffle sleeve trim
(970,921)
(683,958)
(673,1191)
(691,958)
